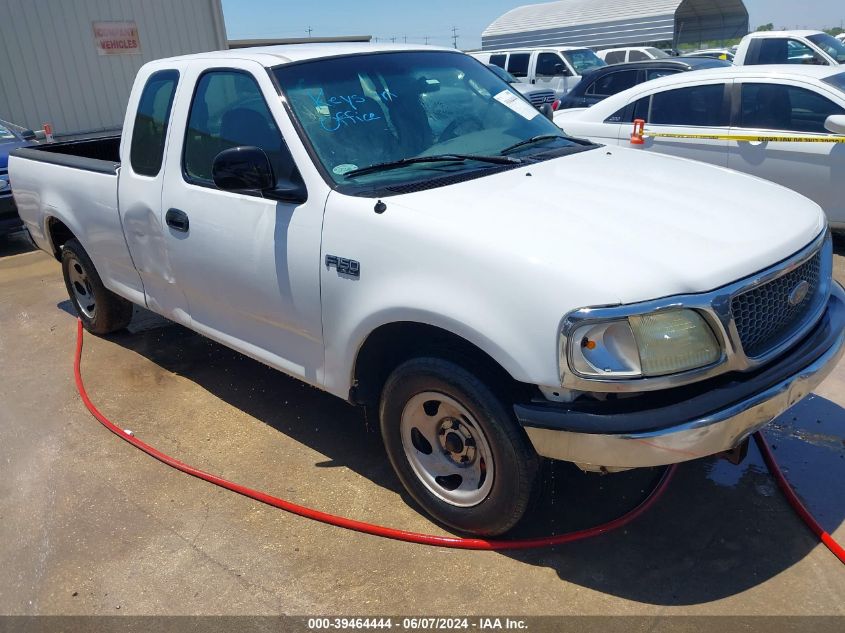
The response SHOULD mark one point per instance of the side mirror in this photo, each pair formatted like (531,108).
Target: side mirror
(835,124)
(561,70)
(243,168)
(547,111)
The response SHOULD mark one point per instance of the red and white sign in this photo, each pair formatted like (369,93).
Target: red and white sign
(117,38)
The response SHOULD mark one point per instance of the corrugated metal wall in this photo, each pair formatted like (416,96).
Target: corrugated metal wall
(605,23)
(51,71)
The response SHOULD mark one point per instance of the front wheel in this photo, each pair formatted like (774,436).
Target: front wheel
(456,448)
(100,310)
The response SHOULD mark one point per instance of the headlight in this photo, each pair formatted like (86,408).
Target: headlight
(656,344)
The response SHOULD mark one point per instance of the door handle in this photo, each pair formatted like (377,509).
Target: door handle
(177,220)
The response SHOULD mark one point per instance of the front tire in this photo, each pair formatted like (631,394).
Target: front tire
(100,310)
(456,448)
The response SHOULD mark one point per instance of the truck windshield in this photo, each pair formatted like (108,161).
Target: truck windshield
(583,60)
(829,45)
(373,109)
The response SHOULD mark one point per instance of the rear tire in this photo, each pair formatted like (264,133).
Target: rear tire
(100,310)
(456,448)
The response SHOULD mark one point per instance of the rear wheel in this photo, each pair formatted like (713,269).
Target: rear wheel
(100,310)
(456,448)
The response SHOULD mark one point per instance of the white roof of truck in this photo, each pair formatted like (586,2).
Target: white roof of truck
(801,33)
(286,53)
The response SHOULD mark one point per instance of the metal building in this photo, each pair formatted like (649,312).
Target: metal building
(71,63)
(605,23)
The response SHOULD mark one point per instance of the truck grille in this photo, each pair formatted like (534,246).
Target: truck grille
(765,317)
(539,98)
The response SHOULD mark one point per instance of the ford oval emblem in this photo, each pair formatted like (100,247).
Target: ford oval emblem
(799,293)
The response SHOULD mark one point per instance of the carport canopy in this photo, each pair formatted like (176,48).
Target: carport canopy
(607,23)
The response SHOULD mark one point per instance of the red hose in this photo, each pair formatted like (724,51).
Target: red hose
(361,526)
(794,501)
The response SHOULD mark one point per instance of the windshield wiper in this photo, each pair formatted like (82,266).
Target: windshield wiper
(531,141)
(437,158)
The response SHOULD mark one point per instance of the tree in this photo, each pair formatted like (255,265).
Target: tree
(766,27)
(834,31)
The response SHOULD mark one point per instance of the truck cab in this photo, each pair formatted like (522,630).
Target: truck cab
(790,47)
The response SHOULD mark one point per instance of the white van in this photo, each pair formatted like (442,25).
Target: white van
(559,68)
(630,54)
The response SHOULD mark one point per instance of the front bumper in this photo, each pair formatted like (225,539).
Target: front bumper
(688,423)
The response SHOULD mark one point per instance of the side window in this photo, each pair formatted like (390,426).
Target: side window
(150,129)
(498,60)
(615,57)
(698,105)
(228,110)
(549,65)
(631,112)
(800,53)
(779,107)
(612,83)
(637,56)
(779,50)
(518,64)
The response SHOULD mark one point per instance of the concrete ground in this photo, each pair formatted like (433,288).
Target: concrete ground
(90,525)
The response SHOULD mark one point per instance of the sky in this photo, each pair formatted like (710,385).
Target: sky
(434,19)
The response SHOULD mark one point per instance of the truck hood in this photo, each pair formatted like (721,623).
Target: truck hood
(620,225)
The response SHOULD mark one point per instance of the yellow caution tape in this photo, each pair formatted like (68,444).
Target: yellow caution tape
(750,138)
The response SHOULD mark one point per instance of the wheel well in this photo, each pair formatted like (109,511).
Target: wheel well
(59,235)
(390,345)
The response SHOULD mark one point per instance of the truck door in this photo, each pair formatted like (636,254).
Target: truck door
(552,72)
(142,170)
(248,264)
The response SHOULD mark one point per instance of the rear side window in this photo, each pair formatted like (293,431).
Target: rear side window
(701,106)
(637,56)
(612,83)
(616,57)
(779,107)
(498,60)
(150,128)
(229,110)
(518,64)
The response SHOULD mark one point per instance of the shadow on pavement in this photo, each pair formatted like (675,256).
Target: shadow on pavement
(719,530)
(15,244)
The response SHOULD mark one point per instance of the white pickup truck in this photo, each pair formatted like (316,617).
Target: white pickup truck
(395,226)
(790,47)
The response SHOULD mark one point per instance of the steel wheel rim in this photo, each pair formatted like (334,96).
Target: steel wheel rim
(458,468)
(80,285)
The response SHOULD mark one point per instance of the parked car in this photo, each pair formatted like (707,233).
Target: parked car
(11,137)
(537,96)
(790,47)
(631,54)
(495,293)
(602,83)
(743,100)
(725,54)
(559,68)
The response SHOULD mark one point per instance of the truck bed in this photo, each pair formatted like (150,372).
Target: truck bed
(101,154)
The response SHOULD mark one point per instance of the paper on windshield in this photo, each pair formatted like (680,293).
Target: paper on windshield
(517,104)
